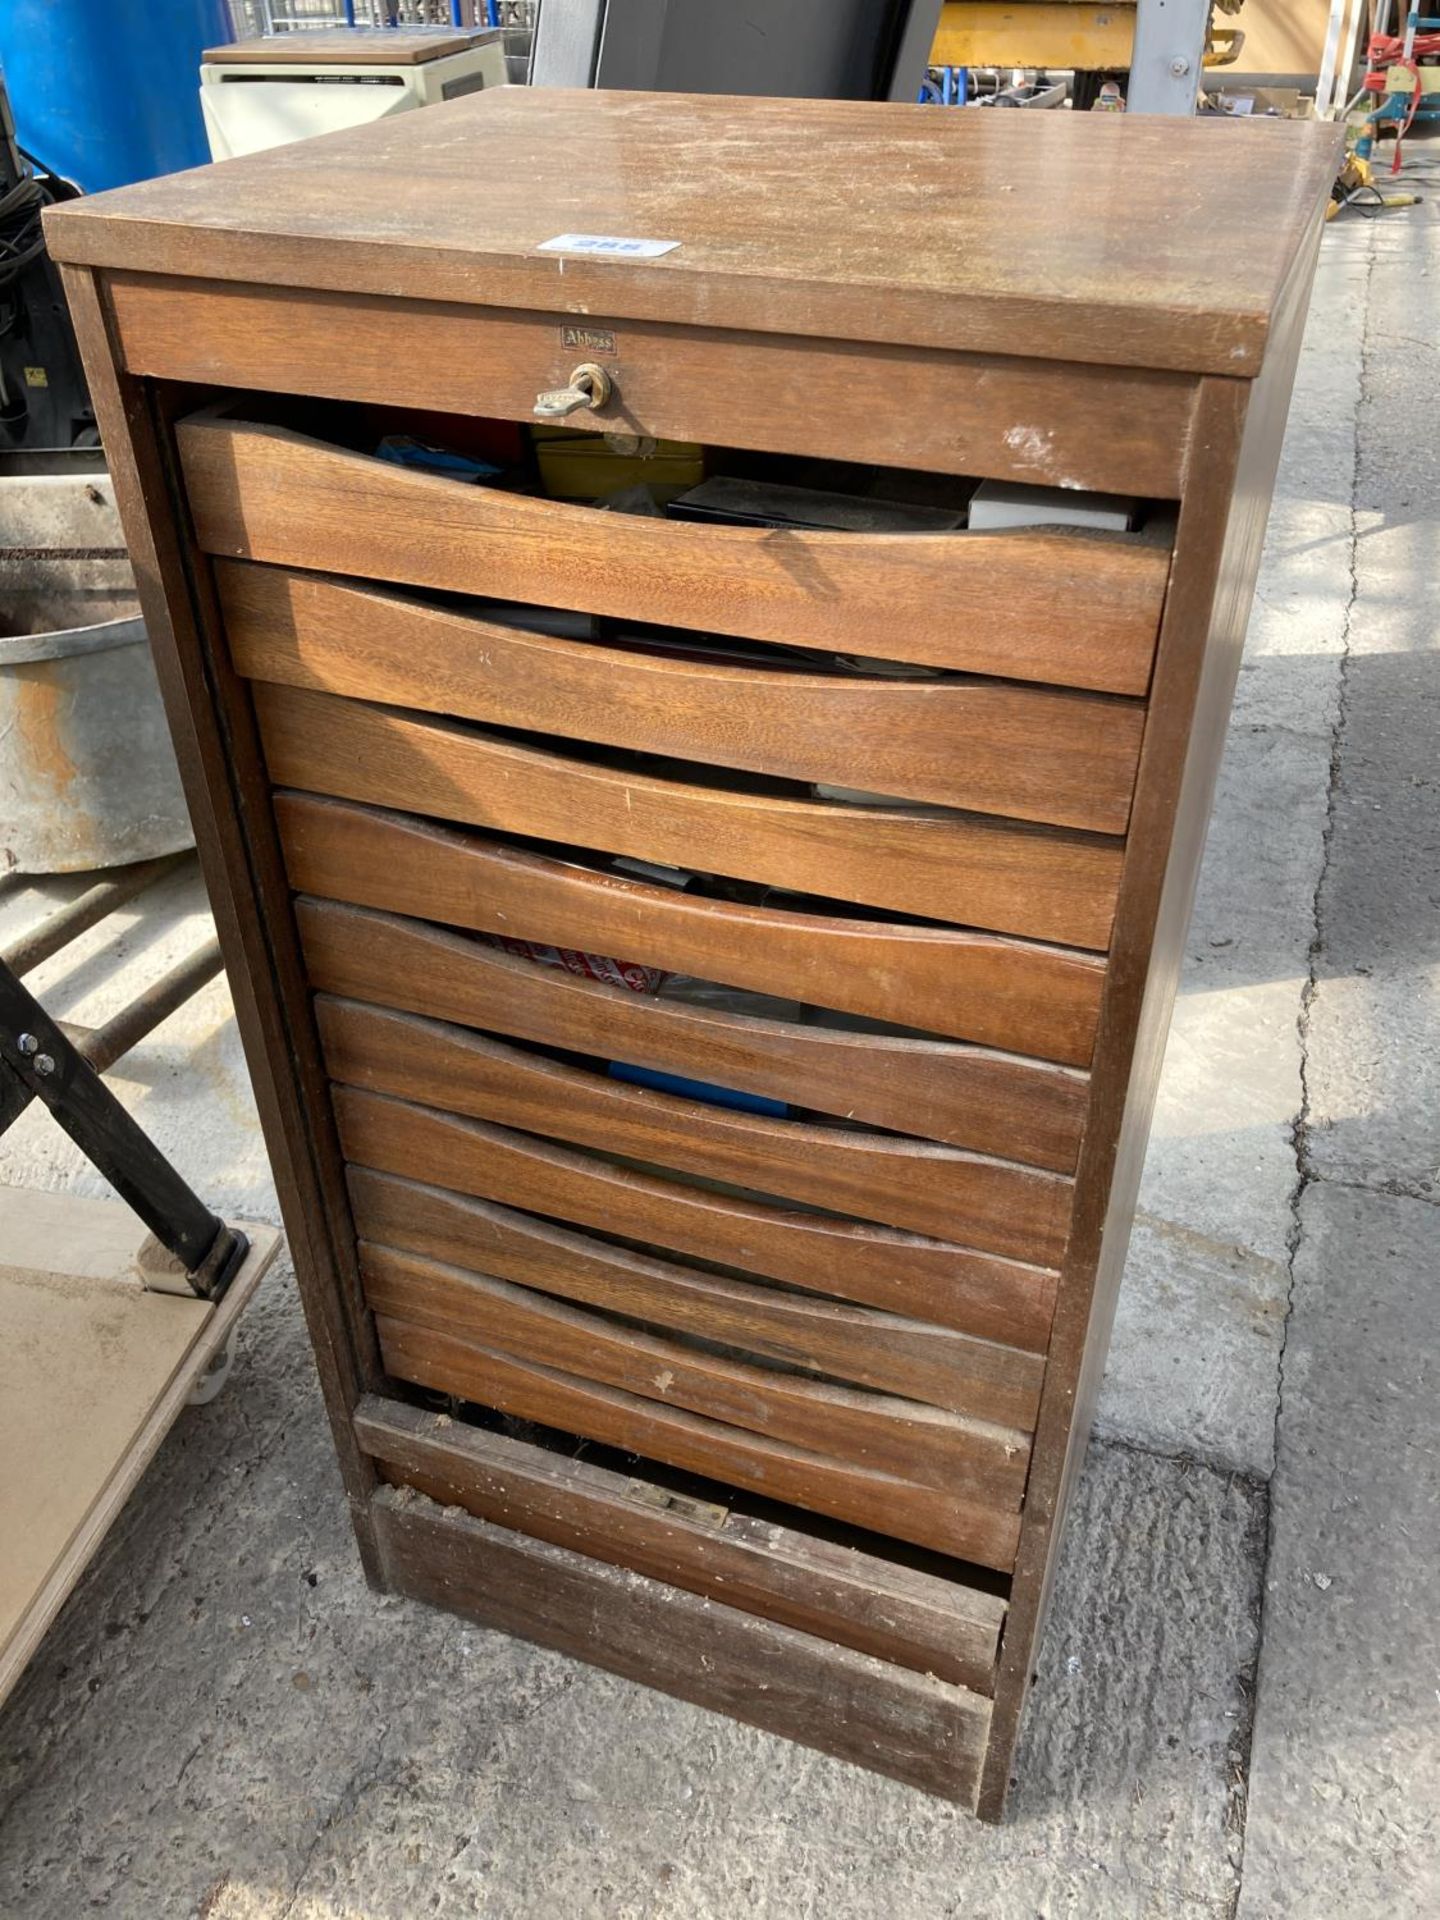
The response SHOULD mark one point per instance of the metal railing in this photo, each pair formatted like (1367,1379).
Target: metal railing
(250,17)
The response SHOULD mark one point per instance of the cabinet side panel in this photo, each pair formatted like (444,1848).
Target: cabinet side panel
(213,730)
(1231,465)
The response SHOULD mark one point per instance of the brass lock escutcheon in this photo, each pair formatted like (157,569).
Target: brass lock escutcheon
(590,386)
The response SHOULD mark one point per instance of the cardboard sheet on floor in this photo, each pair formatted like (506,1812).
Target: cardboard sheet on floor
(93,1372)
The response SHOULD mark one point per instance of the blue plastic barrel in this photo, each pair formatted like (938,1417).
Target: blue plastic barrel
(107,91)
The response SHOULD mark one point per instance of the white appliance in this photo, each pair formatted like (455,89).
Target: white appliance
(287,86)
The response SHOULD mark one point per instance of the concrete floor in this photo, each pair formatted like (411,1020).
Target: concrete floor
(1239,1710)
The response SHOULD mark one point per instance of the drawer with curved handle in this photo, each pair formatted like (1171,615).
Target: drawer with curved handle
(983,1295)
(1026,1110)
(1075,608)
(962,868)
(1037,1000)
(1060,757)
(891,1180)
(970,1528)
(887,1433)
(937,1366)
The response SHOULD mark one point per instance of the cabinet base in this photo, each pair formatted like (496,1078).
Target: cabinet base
(908,1725)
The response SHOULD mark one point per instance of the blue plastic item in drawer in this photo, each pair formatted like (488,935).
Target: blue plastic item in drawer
(697,1090)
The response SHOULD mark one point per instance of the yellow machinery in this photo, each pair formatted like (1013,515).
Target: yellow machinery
(1053,33)
(1033,33)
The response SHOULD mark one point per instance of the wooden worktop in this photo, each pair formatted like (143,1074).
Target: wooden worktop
(348,47)
(987,232)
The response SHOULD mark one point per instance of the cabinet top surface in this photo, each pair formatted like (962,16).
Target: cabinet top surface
(1130,241)
(350,47)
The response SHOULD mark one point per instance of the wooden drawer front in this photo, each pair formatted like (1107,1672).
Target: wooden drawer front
(893,1464)
(991,1298)
(995,1103)
(1077,609)
(1115,431)
(988,746)
(963,868)
(936,1366)
(1041,1001)
(949,1522)
(992,1204)
(845,1595)
(921,1445)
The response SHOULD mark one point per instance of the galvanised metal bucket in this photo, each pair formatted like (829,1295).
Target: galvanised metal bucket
(87,772)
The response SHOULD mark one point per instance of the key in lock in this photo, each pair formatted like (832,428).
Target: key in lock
(590,386)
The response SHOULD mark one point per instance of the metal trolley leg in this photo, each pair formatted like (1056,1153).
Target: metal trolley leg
(38,1060)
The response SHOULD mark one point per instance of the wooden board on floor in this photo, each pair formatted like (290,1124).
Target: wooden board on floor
(93,1372)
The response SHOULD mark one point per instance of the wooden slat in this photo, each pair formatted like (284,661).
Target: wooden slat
(922,1445)
(1033,604)
(988,746)
(993,1204)
(841,1593)
(1027,999)
(975,1293)
(925,1516)
(1022,1110)
(932,1364)
(910,1725)
(958,867)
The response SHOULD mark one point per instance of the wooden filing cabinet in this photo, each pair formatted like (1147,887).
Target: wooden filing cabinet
(775,1405)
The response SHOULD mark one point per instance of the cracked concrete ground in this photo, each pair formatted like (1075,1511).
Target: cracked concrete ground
(1238,1707)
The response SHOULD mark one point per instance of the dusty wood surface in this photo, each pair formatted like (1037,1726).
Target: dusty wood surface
(971,1529)
(343,46)
(459,198)
(924,1446)
(904,1723)
(932,1364)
